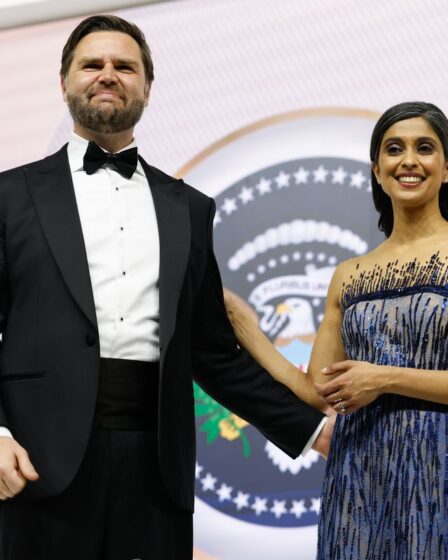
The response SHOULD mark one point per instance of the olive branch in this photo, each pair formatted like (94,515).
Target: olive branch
(219,421)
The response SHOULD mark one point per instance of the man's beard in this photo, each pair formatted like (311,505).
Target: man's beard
(104,121)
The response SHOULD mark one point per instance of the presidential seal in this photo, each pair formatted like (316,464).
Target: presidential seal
(293,200)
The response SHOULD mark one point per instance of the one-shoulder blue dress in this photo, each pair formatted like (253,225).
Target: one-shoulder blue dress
(385,493)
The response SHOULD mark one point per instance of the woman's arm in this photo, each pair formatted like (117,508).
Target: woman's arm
(327,348)
(245,324)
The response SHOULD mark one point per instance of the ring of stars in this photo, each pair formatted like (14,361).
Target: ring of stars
(283,181)
(245,501)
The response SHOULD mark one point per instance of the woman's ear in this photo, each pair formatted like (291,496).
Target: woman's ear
(376,170)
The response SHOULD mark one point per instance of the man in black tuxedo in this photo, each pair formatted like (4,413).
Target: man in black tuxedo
(110,304)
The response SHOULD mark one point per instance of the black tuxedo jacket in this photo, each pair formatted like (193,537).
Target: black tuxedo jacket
(49,356)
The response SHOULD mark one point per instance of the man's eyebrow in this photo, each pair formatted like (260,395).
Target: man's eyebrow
(116,61)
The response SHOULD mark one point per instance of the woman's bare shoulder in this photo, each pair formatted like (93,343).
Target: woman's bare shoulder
(348,268)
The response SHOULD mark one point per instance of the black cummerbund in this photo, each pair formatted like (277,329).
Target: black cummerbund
(128,393)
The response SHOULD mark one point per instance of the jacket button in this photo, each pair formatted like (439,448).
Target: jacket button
(90,339)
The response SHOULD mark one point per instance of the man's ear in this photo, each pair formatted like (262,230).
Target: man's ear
(147,92)
(64,89)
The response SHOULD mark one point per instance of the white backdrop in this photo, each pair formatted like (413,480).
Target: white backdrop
(222,65)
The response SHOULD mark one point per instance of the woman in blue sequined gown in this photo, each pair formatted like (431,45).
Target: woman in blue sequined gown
(385,494)
(380,358)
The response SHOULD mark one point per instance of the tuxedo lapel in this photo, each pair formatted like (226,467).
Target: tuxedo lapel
(51,187)
(173,219)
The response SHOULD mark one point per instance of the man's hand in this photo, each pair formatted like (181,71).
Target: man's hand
(15,468)
(323,440)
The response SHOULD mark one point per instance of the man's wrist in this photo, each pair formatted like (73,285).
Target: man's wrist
(314,436)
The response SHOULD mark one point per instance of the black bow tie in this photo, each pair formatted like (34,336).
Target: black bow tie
(125,162)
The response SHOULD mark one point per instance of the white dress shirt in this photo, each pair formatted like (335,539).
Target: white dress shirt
(120,232)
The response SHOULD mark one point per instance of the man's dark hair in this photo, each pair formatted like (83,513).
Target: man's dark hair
(403,111)
(106,23)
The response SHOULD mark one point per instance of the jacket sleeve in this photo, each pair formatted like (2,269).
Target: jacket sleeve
(229,375)
(4,296)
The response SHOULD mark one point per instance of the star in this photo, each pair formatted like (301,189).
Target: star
(284,259)
(315,505)
(309,255)
(357,179)
(321,257)
(242,500)
(301,176)
(246,195)
(261,269)
(208,482)
(320,174)
(278,509)
(259,506)
(199,469)
(229,205)
(339,176)
(251,277)
(272,263)
(282,180)
(264,186)
(217,219)
(298,508)
(224,492)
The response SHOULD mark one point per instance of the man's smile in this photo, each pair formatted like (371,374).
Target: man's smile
(107,95)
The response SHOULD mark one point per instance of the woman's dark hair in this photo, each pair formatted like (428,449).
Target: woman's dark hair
(403,111)
(106,23)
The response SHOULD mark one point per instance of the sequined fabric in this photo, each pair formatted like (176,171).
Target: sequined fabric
(386,486)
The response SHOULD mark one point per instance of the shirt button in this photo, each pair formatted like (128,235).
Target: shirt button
(121,318)
(121,228)
(116,188)
(124,273)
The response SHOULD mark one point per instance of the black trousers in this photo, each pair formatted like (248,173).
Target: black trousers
(117,507)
